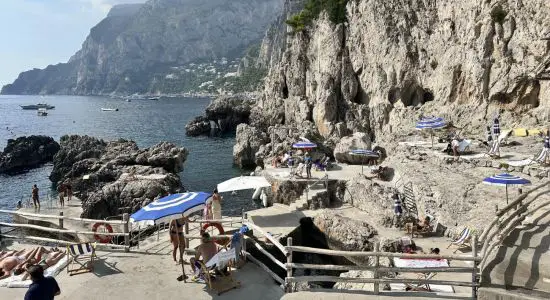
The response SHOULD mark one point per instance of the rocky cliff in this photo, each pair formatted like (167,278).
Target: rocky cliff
(127,50)
(392,61)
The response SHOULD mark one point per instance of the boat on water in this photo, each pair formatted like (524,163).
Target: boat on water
(153,98)
(42,112)
(109,109)
(37,106)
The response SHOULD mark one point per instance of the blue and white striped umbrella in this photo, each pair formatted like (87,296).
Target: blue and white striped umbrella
(365,153)
(506,180)
(304,145)
(431,123)
(171,207)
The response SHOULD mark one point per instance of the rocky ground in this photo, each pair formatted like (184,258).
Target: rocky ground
(27,152)
(117,177)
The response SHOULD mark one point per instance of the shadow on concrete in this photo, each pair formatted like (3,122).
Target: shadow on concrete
(103,268)
(529,231)
(289,219)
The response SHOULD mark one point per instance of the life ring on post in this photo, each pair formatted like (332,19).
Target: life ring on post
(218,226)
(102,238)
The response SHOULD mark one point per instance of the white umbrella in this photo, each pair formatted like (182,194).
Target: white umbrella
(243,183)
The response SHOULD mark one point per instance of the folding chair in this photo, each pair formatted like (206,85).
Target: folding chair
(81,258)
(462,240)
(223,281)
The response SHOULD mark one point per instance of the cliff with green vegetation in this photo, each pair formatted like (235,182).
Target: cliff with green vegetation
(147,48)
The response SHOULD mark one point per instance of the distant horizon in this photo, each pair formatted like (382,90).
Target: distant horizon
(41,34)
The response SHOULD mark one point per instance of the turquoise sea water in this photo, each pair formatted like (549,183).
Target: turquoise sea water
(146,122)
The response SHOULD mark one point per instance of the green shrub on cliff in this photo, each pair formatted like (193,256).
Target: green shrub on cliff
(336,10)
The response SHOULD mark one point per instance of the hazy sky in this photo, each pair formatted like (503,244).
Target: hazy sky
(36,33)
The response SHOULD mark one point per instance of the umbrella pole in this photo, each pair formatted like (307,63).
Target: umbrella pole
(432,139)
(506,194)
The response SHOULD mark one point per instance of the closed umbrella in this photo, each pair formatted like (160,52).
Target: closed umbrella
(430,124)
(304,145)
(506,180)
(171,207)
(364,153)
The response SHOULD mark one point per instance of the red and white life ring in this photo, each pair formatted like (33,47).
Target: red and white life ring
(220,230)
(106,228)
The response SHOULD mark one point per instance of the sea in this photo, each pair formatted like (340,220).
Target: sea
(144,121)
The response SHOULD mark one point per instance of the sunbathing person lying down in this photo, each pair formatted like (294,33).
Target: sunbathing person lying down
(19,261)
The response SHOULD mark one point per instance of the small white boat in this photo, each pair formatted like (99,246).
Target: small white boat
(109,109)
(42,112)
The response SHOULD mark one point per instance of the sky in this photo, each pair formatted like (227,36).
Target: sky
(37,33)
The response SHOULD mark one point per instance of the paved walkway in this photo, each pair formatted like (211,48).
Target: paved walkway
(336,295)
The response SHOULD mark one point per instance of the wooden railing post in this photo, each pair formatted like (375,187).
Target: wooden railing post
(126,230)
(288,285)
(61,220)
(474,269)
(376,265)
(60,223)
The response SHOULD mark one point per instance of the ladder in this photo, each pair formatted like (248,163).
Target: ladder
(409,203)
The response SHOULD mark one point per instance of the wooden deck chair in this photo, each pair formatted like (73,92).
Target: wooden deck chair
(223,281)
(463,240)
(422,286)
(81,258)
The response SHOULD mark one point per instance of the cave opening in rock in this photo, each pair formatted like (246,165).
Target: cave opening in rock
(412,94)
(285,90)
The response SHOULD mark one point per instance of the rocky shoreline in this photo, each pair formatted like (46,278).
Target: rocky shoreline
(27,152)
(117,177)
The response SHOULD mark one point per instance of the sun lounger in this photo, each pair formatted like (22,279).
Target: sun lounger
(81,258)
(462,241)
(221,281)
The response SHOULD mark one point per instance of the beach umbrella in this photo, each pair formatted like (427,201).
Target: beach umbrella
(171,207)
(243,183)
(506,180)
(365,154)
(430,123)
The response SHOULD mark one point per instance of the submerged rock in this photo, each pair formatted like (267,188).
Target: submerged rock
(116,177)
(27,152)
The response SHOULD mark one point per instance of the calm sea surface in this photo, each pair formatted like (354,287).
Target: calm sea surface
(146,122)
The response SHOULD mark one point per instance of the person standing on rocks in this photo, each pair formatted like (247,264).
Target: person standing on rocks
(61,192)
(309,164)
(216,205)
(35,197)
(68,191)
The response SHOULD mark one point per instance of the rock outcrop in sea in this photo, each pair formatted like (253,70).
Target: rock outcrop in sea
(226,112)
(27,152)
(117,177)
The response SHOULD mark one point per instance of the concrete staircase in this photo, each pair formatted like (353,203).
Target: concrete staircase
(303,202)
(522,263)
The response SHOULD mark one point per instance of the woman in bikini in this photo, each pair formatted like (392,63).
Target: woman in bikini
(177,238)
(48,259)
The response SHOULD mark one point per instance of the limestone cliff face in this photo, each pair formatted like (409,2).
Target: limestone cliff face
(393,60)
(133,43)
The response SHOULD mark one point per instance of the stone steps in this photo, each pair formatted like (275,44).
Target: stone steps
(523,260)
(302,203)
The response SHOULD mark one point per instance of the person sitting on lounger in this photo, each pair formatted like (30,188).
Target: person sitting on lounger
(419,226)
(206,250)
